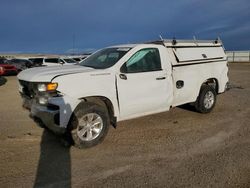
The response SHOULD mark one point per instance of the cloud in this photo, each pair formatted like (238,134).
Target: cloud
(237,31)
(48,26)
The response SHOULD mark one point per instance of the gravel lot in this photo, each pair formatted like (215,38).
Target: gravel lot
(179,148)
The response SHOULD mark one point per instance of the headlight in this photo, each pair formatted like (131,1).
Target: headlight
(43,100)
(41,87)
(47,87)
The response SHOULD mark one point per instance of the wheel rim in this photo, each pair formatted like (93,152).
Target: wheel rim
(89,126)
(209,100)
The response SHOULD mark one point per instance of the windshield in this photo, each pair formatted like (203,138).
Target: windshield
(70,60)
(105,58)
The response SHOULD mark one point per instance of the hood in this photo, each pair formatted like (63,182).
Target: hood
(46,74)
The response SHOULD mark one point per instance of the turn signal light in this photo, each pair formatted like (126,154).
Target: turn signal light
(52,86)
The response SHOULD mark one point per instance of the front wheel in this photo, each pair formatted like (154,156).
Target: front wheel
(89,125)
(206,99)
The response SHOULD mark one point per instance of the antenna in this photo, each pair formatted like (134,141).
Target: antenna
(217,40)
(174,42)
(195,41)
(161,38)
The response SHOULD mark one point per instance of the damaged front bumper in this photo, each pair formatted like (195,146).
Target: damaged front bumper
(51,110)
(44,116)
(48,118)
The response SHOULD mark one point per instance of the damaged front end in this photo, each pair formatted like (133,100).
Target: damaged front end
(38,99)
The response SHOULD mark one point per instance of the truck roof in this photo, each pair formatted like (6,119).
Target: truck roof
(174,43)
(124,46)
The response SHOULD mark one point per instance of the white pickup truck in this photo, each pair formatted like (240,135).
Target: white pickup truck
(123,82)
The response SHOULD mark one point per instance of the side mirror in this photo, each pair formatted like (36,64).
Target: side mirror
(124,68)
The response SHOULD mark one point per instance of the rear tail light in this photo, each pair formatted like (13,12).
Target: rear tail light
(1,70)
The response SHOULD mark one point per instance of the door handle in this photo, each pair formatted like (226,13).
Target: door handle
(161,78)
(123,76)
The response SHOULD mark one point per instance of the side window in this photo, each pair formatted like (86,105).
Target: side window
(37,60)
(144,60)
(52,60)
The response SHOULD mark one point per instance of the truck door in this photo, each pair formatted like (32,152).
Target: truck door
(144,86)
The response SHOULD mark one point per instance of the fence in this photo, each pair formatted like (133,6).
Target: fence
(238,56)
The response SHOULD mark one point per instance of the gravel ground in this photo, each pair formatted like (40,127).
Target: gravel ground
(179,148)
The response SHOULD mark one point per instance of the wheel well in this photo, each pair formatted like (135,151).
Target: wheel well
(106,103)
(212,82)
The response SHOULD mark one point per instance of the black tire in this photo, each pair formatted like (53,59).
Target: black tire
(81,111)
(200,104)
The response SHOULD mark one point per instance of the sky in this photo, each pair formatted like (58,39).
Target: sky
(70,26)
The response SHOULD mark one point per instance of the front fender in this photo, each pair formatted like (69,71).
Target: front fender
(66,106)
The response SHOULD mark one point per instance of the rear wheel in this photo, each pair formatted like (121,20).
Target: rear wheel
(89,125)
(206,99)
